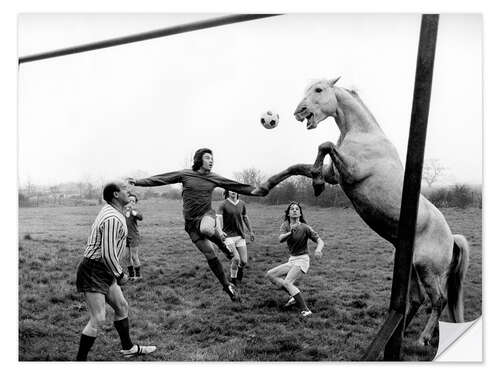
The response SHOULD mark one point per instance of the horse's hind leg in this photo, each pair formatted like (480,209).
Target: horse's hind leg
(433,288)
(417,297)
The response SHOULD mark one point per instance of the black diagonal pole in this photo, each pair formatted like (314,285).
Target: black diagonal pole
(391,334)
(413,176)
(213,22)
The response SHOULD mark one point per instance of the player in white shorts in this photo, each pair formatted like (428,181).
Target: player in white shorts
(296,233)
(233,214)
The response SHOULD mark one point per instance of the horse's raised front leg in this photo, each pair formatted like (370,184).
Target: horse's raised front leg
(329,172)
(317,170)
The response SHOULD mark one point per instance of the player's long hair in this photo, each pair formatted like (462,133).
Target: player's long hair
(302,219)
(198,158)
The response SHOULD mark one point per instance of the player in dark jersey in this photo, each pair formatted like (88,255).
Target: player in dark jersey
(233,213)
(100,275)
(198,184)
(296,233)
(133,215)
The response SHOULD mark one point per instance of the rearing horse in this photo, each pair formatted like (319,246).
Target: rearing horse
(367,167)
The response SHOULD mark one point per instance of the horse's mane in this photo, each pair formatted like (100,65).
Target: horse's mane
(356,97)
(353,93)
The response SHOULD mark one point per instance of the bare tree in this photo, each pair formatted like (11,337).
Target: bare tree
(137,173)
(188,161)
(31,188)
(54,192)
(432,171)
(80,186)
(251,176)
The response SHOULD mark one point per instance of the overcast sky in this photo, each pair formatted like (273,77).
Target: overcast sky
(149,105)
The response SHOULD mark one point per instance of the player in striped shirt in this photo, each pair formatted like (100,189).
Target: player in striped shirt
(100,275)
(198,183)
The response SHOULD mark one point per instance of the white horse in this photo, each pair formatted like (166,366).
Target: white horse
(369,170)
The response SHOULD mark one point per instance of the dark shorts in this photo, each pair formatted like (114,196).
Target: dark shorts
(93,276)
(133,241)
(192,227)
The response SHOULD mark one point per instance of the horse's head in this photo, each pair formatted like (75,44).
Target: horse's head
(318,104)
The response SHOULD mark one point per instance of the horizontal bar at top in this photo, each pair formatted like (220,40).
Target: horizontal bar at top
(214,22)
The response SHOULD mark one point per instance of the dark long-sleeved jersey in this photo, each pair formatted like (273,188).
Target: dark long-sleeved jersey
(132,216)
(197,189)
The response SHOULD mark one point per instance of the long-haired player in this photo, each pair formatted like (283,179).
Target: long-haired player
(295,232)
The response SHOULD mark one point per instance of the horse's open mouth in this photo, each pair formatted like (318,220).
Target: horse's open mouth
(311,124)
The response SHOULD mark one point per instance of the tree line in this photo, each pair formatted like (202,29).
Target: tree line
(297,188)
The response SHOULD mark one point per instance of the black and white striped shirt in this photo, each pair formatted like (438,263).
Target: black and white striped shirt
(108,238)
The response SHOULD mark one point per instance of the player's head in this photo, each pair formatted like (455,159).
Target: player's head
(231,194)
(294,210)
(133,198)
(115,192)
(203,158)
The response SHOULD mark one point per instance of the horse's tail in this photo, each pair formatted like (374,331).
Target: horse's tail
(456,275)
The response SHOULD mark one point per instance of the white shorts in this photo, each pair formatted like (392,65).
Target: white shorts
(237,241)
(301,261)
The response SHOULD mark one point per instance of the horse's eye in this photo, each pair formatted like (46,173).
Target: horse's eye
(318,89)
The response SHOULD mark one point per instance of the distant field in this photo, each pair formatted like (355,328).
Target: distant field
(180,307)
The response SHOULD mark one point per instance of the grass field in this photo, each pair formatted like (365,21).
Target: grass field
(180,307)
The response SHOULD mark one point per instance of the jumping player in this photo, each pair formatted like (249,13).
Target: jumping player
(296,233)
(100,275)
(233,214)
(199,217)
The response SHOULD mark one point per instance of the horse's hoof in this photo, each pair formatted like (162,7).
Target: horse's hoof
(318,185)
(318,189)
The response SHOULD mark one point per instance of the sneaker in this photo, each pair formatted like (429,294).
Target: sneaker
(290,302)
(138,350)
(305,313)
(136,278)
(232,292)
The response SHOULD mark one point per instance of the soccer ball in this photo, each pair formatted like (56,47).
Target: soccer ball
(269,119)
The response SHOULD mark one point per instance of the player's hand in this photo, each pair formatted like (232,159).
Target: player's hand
(122,280)
(130,181)
(318,254)
(260,191)
(252,236)
(134,213)
(223,235)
